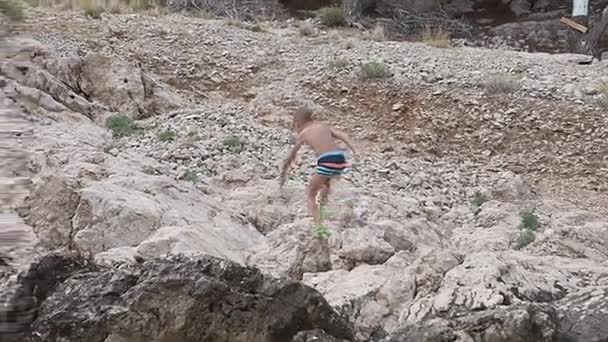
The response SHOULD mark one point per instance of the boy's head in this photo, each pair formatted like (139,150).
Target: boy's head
(301,117)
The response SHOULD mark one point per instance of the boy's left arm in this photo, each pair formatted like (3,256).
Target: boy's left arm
(290,158)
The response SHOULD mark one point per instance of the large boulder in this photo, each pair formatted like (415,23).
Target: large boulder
(179,298)
(91,85)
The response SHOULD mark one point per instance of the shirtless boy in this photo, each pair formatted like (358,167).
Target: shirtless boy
(331,161)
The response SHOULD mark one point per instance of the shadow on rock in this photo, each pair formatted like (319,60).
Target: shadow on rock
(175,299)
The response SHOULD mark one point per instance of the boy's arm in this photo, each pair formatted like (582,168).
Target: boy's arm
(342,136)
(290,158)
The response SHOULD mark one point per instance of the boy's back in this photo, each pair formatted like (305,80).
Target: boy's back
(319,137)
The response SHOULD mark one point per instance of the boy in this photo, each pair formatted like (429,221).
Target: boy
(331,160)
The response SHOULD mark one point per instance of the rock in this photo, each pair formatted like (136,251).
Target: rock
(511,188)
(584,315)
(222,243)
(73,83)
(291,250)
(509,324)
(49,209)
(363,246)
(315,336)
(371,296)
(180,296)
(397,106)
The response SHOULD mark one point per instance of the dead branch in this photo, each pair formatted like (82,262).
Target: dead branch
(588,43)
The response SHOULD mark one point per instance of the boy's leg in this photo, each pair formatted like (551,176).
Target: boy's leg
(324,193)
(316,182)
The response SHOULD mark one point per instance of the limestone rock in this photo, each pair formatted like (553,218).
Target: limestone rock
(513,323)
(372,296)
(224,242)
(50,208)
(162,298)
(290,250)
(363,246)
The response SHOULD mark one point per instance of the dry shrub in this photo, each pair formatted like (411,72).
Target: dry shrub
(13,9)
(339,63)
(438,37)
(94,8)
(500,84)
(377,34)
(331,16)
(603,94)
(307,29)
(374,70)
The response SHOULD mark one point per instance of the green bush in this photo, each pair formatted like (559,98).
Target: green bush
(331,16)
(374,70)
(13,9)
(190,176)
(529,221)
(167,135)
(525,238)
(121,125)
(94,12)
(479,199)
(233,143)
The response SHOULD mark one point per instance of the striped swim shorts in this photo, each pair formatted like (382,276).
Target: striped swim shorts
(332,164)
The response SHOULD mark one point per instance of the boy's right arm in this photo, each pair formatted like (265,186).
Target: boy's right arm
(290,158)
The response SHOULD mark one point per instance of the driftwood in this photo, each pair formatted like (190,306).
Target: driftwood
(234,9)
(589,42)
(401,20)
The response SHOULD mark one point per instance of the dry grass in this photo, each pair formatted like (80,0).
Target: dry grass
(307,29)
(376,34)
(438,37)
(94,8)
(339,63)
(603,92)
(500,84)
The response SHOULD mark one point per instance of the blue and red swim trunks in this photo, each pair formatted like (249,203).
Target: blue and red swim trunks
(332,164)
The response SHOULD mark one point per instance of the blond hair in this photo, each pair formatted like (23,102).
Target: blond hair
(303,115)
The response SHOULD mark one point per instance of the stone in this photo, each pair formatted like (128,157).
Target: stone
(179,296)
(372,296)
(291,250)
(49,209)
(363,246)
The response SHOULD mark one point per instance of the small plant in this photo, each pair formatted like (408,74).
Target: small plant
(121,125)
(438,37)
(13,9)
(339,63)
(324,213)
(167,135)
(320,231)
(374,70)
(306,29)
(377,34)
(603,92)
(193,136)
(529,225)
(529,221)
(500,84)
(525,238)
(190,176)
(331,16)
(93,12)
(479,199)
(233,143)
